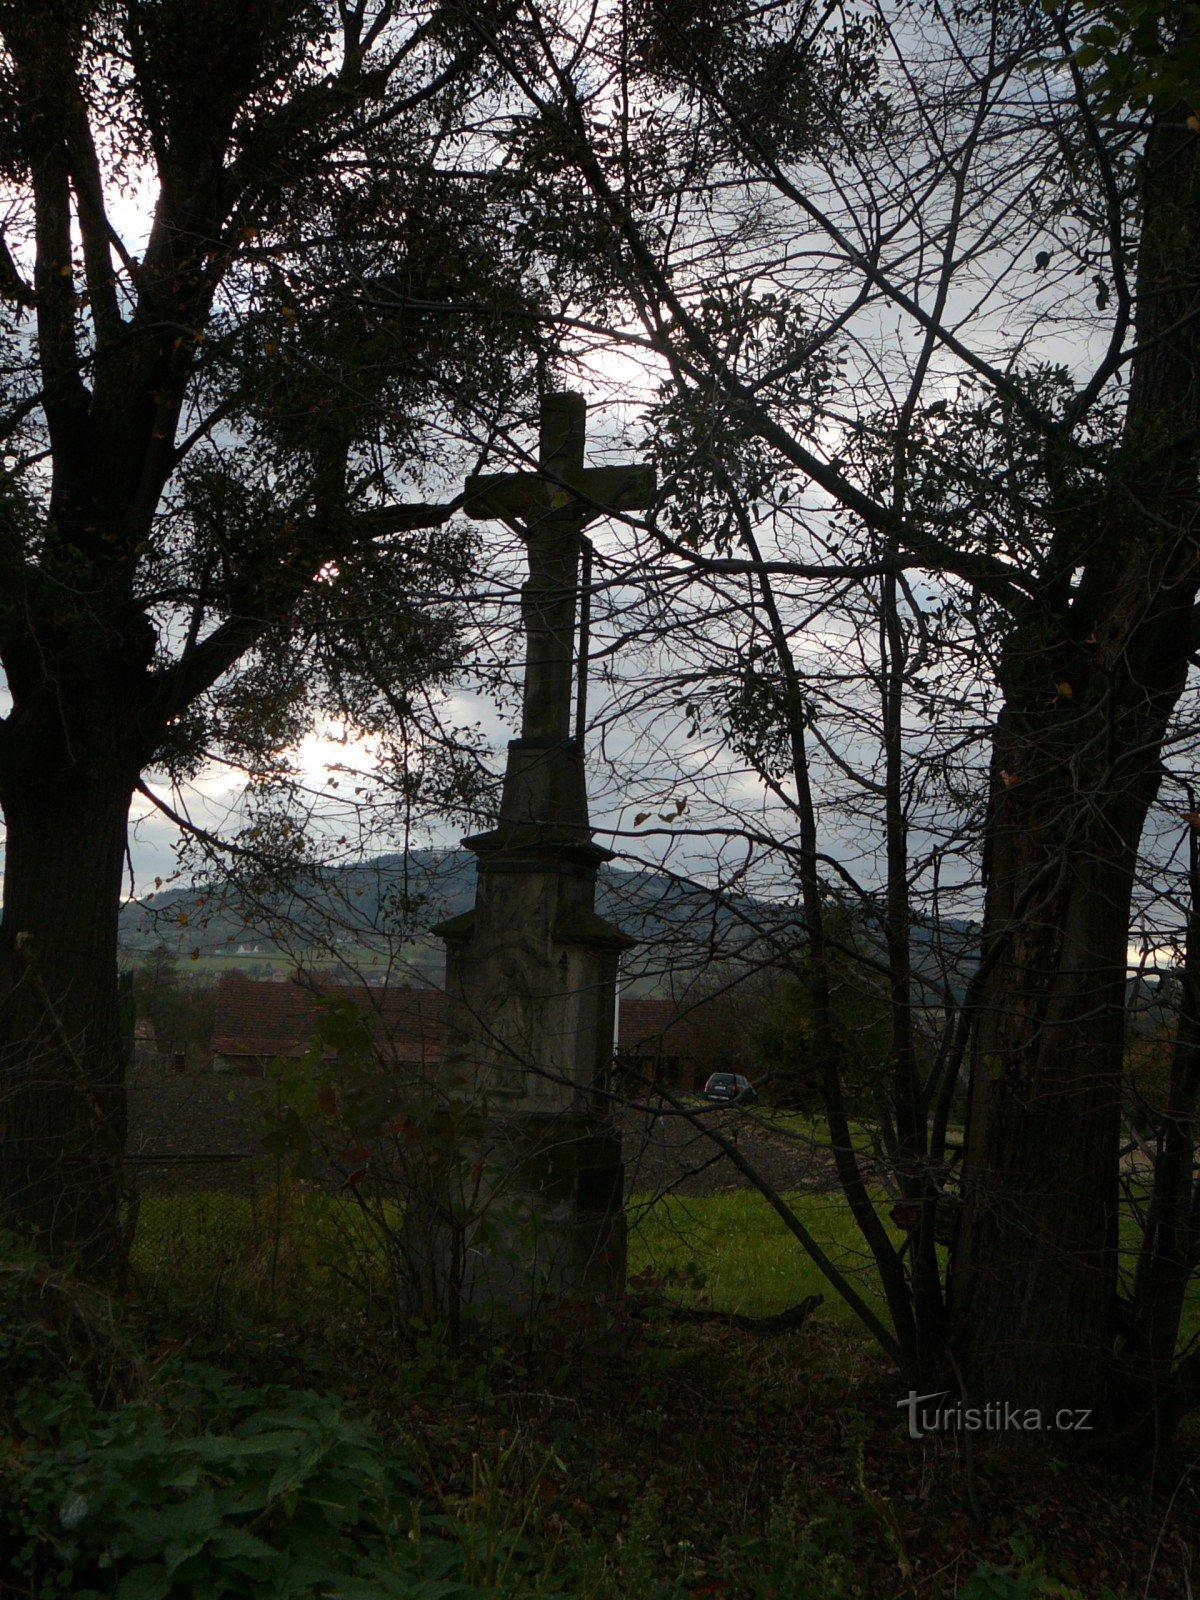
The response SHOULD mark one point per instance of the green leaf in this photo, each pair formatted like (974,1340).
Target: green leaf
(240,1447)
(149,1582)
(175,1524)
(233,1544)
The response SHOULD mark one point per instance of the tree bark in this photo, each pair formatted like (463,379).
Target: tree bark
(62,1092)
(1035,1277)
(1091,677)
(1155,1394)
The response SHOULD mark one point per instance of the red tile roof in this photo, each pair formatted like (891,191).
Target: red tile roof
(257,1019)
(691,1031)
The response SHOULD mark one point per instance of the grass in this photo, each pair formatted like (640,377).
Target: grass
(671,1460)
(734,1251)
(263,1253)
(728,1251)
(275,961)
(814,1128)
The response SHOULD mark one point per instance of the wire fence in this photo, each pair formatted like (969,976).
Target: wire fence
(219,1216)
(208,1197)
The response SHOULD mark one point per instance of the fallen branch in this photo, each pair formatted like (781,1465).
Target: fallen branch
(779,1322)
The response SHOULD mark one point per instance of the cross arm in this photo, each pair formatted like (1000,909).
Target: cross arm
(588,492)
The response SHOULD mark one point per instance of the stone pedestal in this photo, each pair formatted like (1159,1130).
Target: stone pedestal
(531,982)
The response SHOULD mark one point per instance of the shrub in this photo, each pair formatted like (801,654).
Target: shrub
(51,1325)
(275,1493)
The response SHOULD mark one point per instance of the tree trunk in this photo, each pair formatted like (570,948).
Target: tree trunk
(1035,1279)
(62,1093)
(1155,1392)
(1075,769)
(1091,678)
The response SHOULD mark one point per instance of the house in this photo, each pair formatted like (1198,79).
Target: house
(256,1022)
(677,1043)
(671,1042)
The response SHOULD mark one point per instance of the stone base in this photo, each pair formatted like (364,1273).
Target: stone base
(534,1215)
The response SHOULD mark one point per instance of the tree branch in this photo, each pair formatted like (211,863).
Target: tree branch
(265,596)
(12,284)
(45,78)
(1001,582)
(94,226)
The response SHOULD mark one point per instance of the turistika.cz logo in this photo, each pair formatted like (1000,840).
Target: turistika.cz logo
(997,1416)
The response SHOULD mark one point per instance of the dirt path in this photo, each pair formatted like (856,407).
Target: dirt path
(667,1152)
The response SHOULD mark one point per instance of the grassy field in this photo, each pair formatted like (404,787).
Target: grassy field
(418,961)
(270,961)
(732,1251)
(728,1251)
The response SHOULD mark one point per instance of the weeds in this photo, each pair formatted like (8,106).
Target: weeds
(612,1458)
(281,1494)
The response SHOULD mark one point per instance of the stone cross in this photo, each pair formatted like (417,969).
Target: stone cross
(551,507)
(531,969)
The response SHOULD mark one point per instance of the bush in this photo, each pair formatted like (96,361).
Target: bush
(253,1492)
(50,1325)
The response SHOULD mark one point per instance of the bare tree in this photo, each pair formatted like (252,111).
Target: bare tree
(919,296)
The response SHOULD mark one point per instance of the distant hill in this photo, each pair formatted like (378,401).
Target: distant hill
(395,899)
(363,915)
